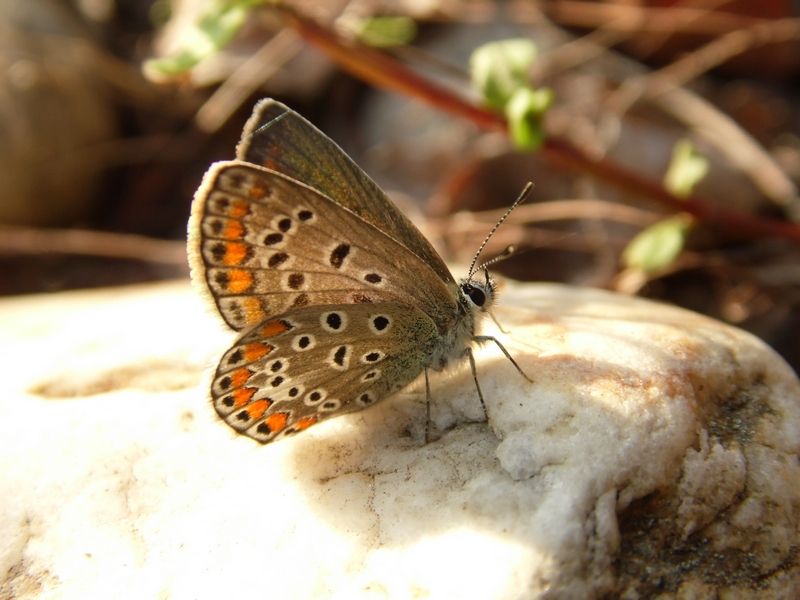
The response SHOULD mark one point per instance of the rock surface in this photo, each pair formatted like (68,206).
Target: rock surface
(655,455)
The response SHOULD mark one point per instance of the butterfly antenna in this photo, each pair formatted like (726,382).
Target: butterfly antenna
(508,251)
(269,124)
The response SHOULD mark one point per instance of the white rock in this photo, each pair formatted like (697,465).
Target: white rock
(655,453)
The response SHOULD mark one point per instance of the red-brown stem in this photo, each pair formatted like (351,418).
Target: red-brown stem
(382,71)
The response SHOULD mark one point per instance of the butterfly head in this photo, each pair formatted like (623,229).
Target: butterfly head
(477,295)
(480,296)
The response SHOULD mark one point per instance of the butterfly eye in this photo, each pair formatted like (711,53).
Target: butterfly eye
(475,294)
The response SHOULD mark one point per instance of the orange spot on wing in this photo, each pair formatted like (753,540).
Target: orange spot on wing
(305,423)
(258,408)
(239,281)
(234,230)
(239,209)
(257,191)
(242,396)
(274,328)
(253,311)
(234,253)
(239,377)
(276,421)
(256,350)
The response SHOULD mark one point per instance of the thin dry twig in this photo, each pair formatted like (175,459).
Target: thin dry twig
(622,23)
(463,231)
(246,79)
(568,210)
(720,50)
(634,19)
(738,146)
(382,71)
(664,87)
(28,240)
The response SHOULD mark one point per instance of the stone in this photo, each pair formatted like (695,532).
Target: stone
(655,455)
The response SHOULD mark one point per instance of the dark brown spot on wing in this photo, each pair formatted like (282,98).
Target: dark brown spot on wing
(339,254)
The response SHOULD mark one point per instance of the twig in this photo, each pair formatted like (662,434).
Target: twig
(380,70)
(664,87)
(630,18)
(27,240)
(246,79)
(623,22)
(383,71)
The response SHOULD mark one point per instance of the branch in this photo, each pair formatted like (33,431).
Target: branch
(380,70)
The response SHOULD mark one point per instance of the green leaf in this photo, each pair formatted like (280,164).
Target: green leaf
(658,245)
(686,170)
(499,69)
(384,32)
(213,32)
(525,111)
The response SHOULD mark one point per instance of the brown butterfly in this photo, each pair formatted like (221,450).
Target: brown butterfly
(340,300)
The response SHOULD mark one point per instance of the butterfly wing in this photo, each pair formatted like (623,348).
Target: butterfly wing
(263,244)
(312,363)
(340,300)
(278,138)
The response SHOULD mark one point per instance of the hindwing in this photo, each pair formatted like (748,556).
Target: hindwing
(307,365)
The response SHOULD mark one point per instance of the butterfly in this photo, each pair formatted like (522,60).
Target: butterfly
(339,300)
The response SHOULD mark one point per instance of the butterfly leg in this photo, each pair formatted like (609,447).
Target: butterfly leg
(427,409)
(469,354)
(488,338)
(496,322)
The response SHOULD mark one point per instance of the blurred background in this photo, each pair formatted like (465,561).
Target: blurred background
(112,110)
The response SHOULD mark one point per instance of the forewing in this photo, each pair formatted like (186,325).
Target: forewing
(278,138)
(308,365)
(264,244)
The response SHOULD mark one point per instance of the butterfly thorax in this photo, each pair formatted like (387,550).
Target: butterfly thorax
(474,302)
